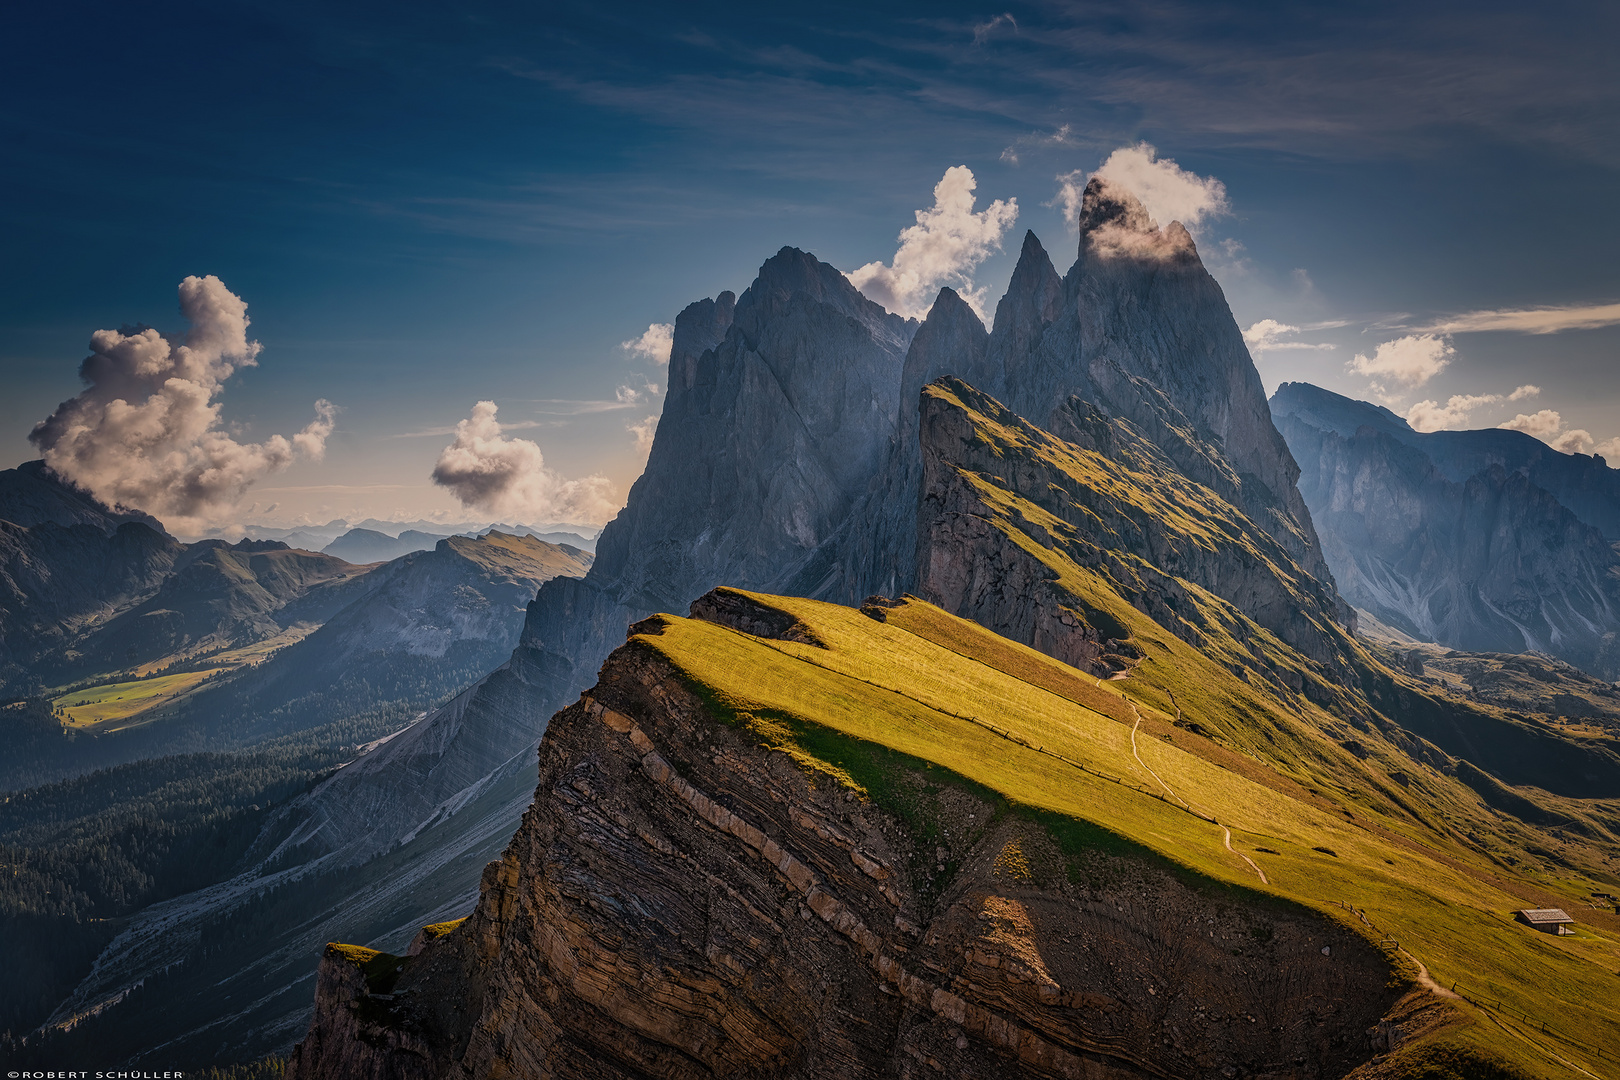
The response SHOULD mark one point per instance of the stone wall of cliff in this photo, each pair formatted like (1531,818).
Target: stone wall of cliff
(685,901)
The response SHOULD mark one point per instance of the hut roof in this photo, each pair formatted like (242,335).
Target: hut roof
(1544,915)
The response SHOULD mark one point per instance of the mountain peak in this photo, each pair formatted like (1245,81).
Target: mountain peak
(1113,222)
(1034,295)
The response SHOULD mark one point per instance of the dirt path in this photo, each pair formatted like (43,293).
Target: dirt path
(1226,833)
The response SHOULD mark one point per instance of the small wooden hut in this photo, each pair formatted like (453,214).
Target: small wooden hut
(1548,920)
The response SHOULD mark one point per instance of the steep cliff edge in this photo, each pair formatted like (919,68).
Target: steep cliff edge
(785,838)
(713,884)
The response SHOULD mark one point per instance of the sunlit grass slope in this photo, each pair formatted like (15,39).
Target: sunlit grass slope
(926,690)
(127,702)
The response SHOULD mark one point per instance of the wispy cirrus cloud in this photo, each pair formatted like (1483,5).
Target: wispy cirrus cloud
(1267,336)
(1064,136)
(1536,320)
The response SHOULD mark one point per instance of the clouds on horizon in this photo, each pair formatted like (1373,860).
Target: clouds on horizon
(946,245)
(508,478)
(1537,320)
(145,431)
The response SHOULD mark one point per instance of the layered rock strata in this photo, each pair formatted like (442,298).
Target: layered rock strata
(684,901)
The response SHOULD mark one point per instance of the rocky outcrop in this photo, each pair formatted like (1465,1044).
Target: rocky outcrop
(683,901)
(1492,564)
(1108,500)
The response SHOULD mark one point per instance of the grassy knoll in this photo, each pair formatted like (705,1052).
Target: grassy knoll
(924,687)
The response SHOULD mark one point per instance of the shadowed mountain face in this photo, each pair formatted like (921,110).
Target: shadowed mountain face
(32,495)
(1583,484)
(86,590)
(1490,562)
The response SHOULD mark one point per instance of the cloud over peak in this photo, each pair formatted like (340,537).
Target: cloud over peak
(1166,190)
(508,478)
(948,242)
(144,432)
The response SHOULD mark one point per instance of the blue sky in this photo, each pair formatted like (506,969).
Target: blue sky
(424,209)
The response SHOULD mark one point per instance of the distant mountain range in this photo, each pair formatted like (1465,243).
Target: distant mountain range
(372,540)
(1485,541)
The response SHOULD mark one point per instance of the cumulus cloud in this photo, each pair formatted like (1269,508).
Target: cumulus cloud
(1267,334)
(1432,416)
(1412,360)
(1165,189)
(508,478)
(1548,426)
(945,246)
(654,344)
(1544,425)
(1572,441)
(145,431)
(1538,320)
(1525,391)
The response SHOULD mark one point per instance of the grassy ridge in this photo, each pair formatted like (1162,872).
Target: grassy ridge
(950,694)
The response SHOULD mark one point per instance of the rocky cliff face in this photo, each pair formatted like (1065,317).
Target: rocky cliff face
(1583,483)
(1111,501)
(685,901)
(1490,564)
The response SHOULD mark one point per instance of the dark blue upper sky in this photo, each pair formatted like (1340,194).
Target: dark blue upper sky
(424,208)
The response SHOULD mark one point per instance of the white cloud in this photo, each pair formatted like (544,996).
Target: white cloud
(644,430)
(1548,426)
(508,478)
(1525,391)
(1070,194)
(1539,320)
(1543,425)
(1412,360)
(1573,441)
(943,248)
(1266,336)
(654,344)
(1608,449)
(1165,189)
(1431,416)
(145,432)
